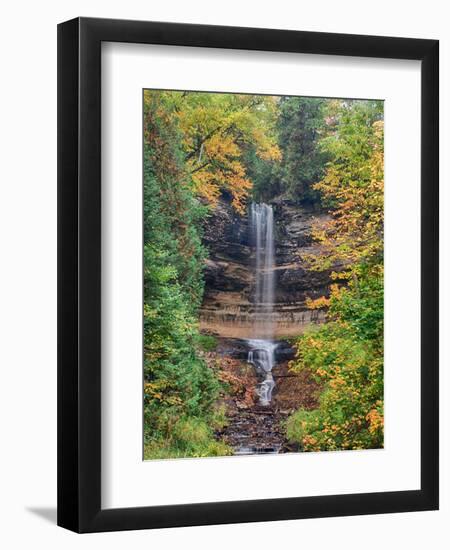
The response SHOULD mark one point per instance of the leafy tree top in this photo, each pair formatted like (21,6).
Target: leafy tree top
(215,129)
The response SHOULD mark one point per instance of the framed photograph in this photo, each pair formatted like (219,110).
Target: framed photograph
(248,275)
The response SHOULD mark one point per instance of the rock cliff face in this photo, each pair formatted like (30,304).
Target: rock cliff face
(228,309)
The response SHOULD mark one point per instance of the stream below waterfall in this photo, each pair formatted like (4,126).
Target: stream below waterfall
(256,407)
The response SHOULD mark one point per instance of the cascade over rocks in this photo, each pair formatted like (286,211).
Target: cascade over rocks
(228,308)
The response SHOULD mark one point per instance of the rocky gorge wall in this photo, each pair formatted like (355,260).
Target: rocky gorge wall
(228,310)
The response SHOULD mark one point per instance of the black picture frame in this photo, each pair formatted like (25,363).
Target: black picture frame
(79,274)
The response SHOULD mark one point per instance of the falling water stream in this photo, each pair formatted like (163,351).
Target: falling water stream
(262,347)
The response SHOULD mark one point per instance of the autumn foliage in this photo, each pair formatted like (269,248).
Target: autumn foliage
(345,355)
(215,131)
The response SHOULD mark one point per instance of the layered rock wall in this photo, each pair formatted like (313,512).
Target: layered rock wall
(228,309)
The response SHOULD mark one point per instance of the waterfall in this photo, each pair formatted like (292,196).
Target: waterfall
(262,347)
(262,229)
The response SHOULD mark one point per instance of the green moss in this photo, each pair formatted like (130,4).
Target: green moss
(189,437)
(207,342)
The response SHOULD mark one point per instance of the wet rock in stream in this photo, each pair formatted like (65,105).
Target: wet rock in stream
(252,428)
(254,431)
